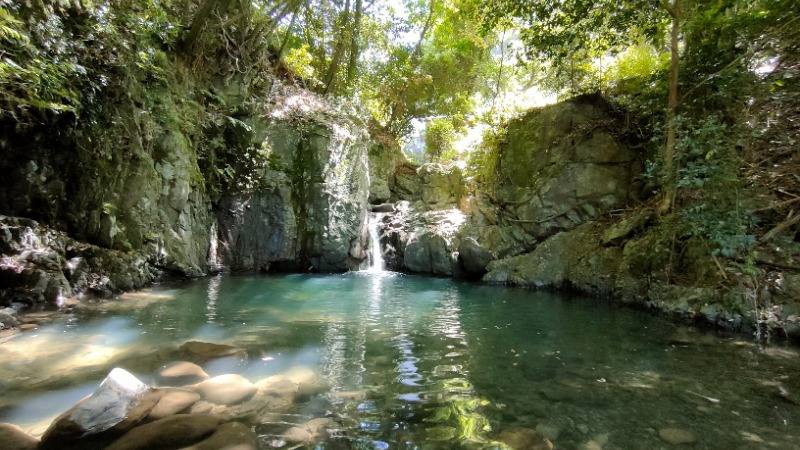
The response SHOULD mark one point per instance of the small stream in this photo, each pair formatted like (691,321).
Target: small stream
(413,362)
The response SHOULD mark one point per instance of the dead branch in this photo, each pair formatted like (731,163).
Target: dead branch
(779,228)
(778,205)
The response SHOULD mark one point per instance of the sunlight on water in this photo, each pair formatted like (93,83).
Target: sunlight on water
(413,362)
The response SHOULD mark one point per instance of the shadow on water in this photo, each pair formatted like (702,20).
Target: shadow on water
(418,362)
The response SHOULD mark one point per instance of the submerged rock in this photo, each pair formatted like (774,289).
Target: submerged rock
(178,431)
(200,352)
(173,401)
(229,436)
(310,431)
(226,389)
(15,438)
(676,436)
(308,382)
(119,403)
(183,372)
(524,438)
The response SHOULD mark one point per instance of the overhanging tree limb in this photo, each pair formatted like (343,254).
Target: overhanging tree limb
(200,19)
(672,108)
(339,50)
(354,45)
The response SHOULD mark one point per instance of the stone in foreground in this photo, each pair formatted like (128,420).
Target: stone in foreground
(229,436)
(178,431)
(172,402)
(116,406)
(183,372)
(15,438)
(226,389)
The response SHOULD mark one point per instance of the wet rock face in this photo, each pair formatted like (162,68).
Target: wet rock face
(563,165)
(310,212)
(430,186)
(333,192)
(257,230)
(122,191)
(41,265)
(385,157)
(422,241)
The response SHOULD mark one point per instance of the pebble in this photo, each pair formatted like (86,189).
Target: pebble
(226,389)
(183,371)
(675,436)
(172,402)
(549,431)
(519,437)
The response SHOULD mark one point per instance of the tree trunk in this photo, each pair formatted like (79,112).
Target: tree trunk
(286,36)
(336,59)
(354,46)
(672,112)
(289,7)
(200,19)
(498,84)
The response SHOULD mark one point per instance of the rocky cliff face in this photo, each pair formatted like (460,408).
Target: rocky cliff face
(309,212)
(40,265)
(420,232)
(138,191)
(556,168)
(148,189)
(554,210)
(560,166)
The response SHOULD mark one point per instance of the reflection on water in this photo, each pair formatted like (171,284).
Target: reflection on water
(213,294)
(413,362)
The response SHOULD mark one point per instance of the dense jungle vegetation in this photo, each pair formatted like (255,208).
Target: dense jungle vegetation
(709,87)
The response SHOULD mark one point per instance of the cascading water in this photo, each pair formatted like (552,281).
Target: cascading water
(213,260)
(376,257)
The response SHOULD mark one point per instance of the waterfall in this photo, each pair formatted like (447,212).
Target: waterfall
(376,257)
(213,259)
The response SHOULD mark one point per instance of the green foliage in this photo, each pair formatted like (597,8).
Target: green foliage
(635,68)
(714,205)
(568,38)
(301,63)
(728,231)
(483,162)
(439,137)
(437,74)
(34,75)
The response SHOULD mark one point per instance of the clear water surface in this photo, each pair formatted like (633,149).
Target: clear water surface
(416,363)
